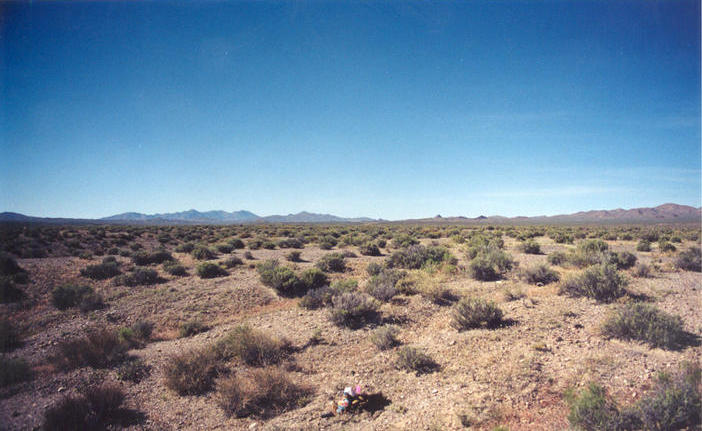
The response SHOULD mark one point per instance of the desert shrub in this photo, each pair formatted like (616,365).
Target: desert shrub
(210,270)
(673,403)
(268,245)
(253,347)
(645,323)
(185,247)
(327,242)
(248,255)
(471,313)
(9,292)
(353,310)
(317,298)
(202,253)
(382,286)
(482,244)
(224,248)
(142,329)
(642,270)
(8,265)
(175,268)
(374,268)
(601,282)
(70,295)
(138,277)
(100,348)
(290,243)
(97,409)
(643,245)
(140,258)
(664,246)
(541,274)
(192,372)
(385,337)
(9,336)
(294,256)
(590,252)
(191,327)
(232,262)
(690,260)
(592,410)
(530,247)
(412,359)
(280,278)
(314,278)
(623,259)
(417,256)
(254,244)
(133,371)
(13,371)
(236,243)
(438,294)
(675,239)
(404,241)
(490,264)
(101,271)
(261,393)
(369,249)
(332,262)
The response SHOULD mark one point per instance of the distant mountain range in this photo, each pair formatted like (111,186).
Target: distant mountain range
(666,213)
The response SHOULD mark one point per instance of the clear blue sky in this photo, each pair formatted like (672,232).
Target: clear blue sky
(380,109)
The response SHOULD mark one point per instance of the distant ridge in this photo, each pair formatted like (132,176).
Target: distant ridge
(666,213)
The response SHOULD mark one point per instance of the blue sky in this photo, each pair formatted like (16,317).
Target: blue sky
(380,109)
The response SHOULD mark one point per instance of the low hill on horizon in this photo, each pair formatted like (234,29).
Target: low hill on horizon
(666,213)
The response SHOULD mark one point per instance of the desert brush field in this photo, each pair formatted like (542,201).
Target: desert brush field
(262,326)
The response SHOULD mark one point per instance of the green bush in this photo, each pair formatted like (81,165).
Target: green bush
(138,277)
(237,243)
(294,256)
(192,372)
(191,327)
(252,347)
(643,245)
(490,264)
(280,278)
(665,246)
(623,259)
(13,371)
(101,271)
(70,295)
(472,313)
(290,243)
(232,262)
(353,310)
(9,292)
(262,393)
(202,253)
(417,256)
(224,248)
(185,248)
(601,282)
(590,252)
(175,268)
(413,359)
(541,274)
(210,270)
(332,262)
(645,323)
(690,260)
(369,249)
(9,336)
(314,278)
(592,410)
(530,247)
(673,403)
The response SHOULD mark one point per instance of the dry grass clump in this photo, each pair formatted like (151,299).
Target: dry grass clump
(600,282)
(643,322)
(472,313)
(262,393)
(99,408)
(385,337)
(133,371)
(191,327)
(412,359)
(253,347)
(642,271)
(541,274)
(192,372)
(100,348)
